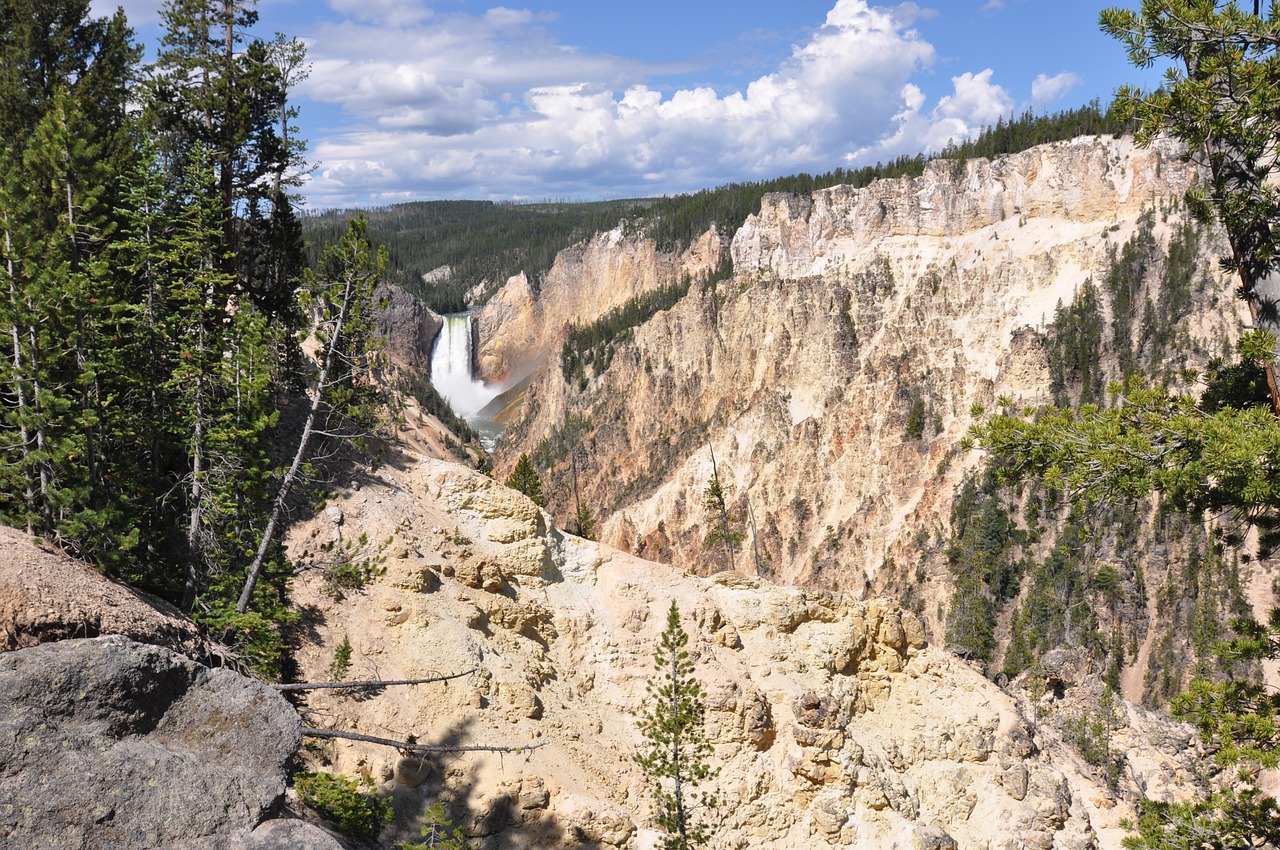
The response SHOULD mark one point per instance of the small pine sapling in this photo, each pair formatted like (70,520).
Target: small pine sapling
(341,664)
(674,755)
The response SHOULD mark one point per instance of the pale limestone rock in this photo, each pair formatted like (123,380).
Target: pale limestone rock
(832,722)
(533,794)
(412,771)
(587,822)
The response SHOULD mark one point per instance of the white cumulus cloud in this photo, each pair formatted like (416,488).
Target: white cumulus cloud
(1046,89)
(452,105)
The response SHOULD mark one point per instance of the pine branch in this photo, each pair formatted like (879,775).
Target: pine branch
(408,746)
(372,683)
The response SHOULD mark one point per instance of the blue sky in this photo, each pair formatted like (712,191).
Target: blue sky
(570,99)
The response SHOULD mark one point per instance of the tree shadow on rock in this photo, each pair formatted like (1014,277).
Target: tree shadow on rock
(513,816)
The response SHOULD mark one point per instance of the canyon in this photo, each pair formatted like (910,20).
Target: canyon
(833,721)
(830,381)
(825,378)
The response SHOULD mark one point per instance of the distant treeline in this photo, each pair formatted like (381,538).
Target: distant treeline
(477,240)
(487,241)
(1029,130)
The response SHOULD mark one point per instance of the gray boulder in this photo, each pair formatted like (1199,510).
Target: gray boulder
(108,743)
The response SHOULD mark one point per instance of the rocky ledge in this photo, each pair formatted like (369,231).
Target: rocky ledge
(113,744)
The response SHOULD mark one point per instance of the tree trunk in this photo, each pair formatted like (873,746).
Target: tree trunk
(197,501)
(282,497)
(24,434)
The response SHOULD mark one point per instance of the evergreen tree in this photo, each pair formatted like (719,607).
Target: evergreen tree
(1219,99)
(438,831)
(1208,455)
(343,397)
(675,753)
(213,85)
(64,136)
(525,479)
(725,525)
(971,620)
(584,522)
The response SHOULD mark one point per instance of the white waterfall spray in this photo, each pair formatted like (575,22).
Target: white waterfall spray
(451,368)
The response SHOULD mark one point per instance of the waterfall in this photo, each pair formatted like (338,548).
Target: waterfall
(451,369)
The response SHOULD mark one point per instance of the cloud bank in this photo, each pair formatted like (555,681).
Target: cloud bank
(493,106)
(408,100)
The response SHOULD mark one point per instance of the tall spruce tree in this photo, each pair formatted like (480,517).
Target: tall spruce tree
(675,753)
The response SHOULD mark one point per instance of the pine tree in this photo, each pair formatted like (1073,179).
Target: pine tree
(63,140)
(1219,99)
(676,749)
(584,522)
(438,831)
(214,85)
(725,525)
(525,479)
(343,397)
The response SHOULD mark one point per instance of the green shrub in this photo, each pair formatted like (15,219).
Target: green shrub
(340,801)
(341,664)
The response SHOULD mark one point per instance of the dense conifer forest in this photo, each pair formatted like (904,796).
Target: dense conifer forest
(155,285)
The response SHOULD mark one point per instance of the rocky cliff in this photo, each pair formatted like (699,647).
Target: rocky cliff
(833,722)
(520,327)
(113,738)
(409,327)
(833,376)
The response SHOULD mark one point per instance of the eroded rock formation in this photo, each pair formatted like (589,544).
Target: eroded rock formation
(833,722)
(834,375)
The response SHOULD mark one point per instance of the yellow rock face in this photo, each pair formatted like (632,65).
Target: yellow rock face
(832,721)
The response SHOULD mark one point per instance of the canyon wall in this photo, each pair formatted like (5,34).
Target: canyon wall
(833,377)
(521,326)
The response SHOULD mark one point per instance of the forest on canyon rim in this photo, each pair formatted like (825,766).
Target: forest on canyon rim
(161,415)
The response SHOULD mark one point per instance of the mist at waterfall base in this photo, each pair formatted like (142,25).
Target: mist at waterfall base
(452,378)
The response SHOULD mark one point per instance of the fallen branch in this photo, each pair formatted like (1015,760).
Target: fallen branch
(375,683)
(409,746)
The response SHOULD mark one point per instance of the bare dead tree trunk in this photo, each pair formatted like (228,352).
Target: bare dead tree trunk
(371,683)
(413,747)
(20,391)
(304,442)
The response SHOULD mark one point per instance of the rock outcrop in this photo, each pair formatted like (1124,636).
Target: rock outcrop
(108,743)
(522,324)
(46,596)
(833,723)
(409,327)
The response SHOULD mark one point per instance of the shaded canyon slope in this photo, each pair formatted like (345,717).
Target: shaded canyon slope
(834,374)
